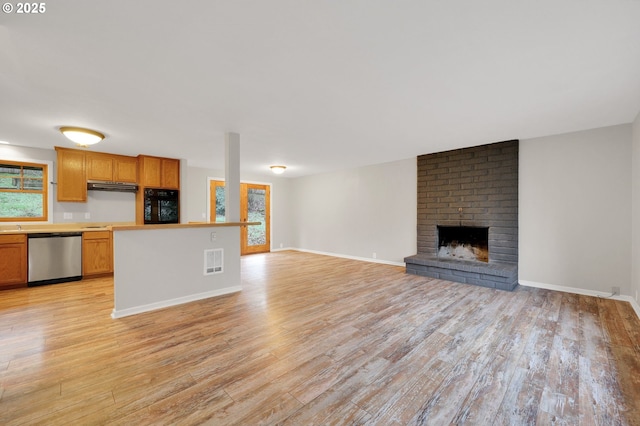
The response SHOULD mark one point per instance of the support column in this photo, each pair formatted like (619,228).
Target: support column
(232,177)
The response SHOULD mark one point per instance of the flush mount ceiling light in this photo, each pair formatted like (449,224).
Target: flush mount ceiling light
(80,136)
(278,169)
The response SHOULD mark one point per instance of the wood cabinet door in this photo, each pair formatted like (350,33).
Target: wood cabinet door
(125,169)
(99,167)
(72,176)
(151,171)
(170,173)
(97,256)
(13,260)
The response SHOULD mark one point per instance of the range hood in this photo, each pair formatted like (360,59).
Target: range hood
(95,185)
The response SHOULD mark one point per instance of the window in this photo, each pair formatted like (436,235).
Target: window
(23,191)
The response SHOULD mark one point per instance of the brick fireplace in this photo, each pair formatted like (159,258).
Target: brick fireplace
(468,216)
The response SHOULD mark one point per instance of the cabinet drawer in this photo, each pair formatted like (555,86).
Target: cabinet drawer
(12,239)
(96,235)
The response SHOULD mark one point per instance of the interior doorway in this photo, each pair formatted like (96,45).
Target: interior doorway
(255,206)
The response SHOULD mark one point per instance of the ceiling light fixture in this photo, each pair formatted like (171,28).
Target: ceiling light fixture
(4,143)
(278,169)
(81,136)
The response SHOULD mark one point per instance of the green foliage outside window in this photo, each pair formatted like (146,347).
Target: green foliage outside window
(23,191)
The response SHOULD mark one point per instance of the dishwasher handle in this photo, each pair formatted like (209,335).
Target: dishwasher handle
(54,234)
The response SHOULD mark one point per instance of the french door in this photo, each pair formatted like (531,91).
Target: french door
(255,203)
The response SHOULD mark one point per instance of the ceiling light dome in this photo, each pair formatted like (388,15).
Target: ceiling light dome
(81,136)
(278,169)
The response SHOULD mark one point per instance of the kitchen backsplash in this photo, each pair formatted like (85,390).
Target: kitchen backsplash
(101,206)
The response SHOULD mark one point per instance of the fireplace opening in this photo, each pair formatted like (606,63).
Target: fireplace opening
(463,243)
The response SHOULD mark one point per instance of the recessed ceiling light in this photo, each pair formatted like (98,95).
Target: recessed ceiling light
(278,169)
(81,136)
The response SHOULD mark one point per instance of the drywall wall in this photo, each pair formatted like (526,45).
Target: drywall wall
(358,212)
(575,210)
(197,192)
(635,254)
(156,268)
(100,206)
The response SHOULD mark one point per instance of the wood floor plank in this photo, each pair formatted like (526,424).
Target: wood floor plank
(322,407)
(560,396)
(484,399)
(390,392)
(520,403)
(629,320)
(446,399)
(591,335)
(320,340)
(286,374)
(599,394)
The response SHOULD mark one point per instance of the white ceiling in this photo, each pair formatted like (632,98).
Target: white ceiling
(316,85)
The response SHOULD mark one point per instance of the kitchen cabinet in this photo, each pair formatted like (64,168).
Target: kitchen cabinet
(99,167)
(170,173)
(112,168)
(97,253)
(125,169)
(13,261)
(158,172)
(71,175)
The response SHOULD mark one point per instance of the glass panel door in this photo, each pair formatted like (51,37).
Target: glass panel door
(254,207)
(216,197)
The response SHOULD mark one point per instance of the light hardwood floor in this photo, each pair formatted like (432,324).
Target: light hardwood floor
(320,340)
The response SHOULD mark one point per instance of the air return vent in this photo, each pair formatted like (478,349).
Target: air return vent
(213,261)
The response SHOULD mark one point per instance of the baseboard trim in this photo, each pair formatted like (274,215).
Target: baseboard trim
(346,256)
(173,302)
(585,292)
(282,249)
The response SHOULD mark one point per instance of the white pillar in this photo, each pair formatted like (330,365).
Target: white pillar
(232,177)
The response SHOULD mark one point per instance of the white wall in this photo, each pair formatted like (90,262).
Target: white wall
(358,212)
(155,268)
(197,191)
(575,210)
(101,206)
(635,255)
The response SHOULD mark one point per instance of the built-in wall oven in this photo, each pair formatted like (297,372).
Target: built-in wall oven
(161,206)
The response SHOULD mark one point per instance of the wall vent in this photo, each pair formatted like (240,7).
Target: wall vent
(213,261)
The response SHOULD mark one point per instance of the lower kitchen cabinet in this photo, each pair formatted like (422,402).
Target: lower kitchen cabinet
(97,253)
(13,261)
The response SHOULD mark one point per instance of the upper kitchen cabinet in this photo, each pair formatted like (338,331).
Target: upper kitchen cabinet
(125,169)
(158,172)
(112,168)
(71,175)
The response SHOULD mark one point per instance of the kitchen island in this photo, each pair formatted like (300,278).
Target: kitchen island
(157,266)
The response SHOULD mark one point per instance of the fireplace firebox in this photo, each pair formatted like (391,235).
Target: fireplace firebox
(463,243)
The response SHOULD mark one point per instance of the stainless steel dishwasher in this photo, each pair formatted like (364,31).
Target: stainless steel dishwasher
(55,257)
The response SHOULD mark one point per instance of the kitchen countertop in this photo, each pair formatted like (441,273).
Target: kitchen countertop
(181,225)
(91,227)
(58,227)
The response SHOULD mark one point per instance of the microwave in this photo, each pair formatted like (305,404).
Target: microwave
(161,206)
